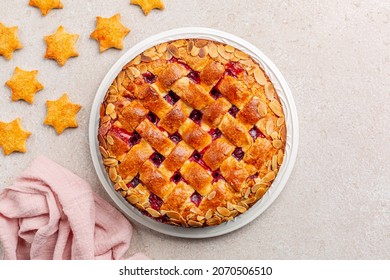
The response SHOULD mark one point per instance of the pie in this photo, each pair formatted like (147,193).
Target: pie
(192,132)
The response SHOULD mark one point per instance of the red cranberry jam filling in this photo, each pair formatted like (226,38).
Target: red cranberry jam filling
(215,93)
(194,76)
(149,77)
(215,133)
(233,68)
(196,198)
(255,133)
(238,153)
(152,118)
(134,139)
(233,111)
(176,178)
(155,201)
(122,134)
(196,116)
(196,156)
(157,159)
(171,97)
(216,176)
(135,182)
(176,138)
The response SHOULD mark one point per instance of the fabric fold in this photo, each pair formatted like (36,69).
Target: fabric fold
(50,213)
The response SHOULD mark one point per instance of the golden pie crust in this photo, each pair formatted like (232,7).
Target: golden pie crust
(192,132)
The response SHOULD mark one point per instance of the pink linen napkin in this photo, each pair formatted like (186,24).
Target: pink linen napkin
(50,213)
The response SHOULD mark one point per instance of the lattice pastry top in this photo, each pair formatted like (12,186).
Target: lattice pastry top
(192,132)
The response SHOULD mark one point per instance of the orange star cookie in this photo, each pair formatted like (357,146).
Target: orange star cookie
(61,46)
(110,32)
(9,41)
(148,5)
(24,85)
(61,113)
(46,5)
(13,137)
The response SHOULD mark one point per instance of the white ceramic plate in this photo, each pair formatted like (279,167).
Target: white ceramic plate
(291,122)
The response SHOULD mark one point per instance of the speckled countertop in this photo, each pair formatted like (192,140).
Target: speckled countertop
(335,55)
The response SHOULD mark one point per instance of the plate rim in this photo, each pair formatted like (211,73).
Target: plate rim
(130,211)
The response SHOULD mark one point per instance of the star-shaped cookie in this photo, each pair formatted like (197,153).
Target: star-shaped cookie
(46,5)
(61,46)
(110,32)
(61,113)
(148,5)
(24,85)
(9,41)
(13,137)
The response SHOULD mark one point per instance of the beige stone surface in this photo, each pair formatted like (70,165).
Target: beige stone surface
(335,56)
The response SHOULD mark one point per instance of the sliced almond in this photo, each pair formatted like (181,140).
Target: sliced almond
(223,53)
(153,212)
(262,108)
(229,48)
(211,195)
(274,135)
(269,177)
(223,211)
(145,58)
(259,76)
(110,140)
(260,192)
(275,162)
(190,45)
(203,51)
(113,115)
(269,127)
(208,215)
(200,218)
(112,98)
(213,50)
(168,55)
(162,48)
(173,50)
(249,200)
(200,43)
(241,55)
(102,141)
(243,204)
(193,223)
(280,157)
(113,90)
(195,51)
(137,60)
(280,121)
(239,208)
(134,71)
(173,214)
(247,193)
(269,91)
(133,199)
(103,152)
(179,43)
(143,69)
(112,173)
(259,185)
(122,185)
(213,221)
(229,206)
(276,108)
(278,144)
(110,109)
(282,133)
(110,162)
